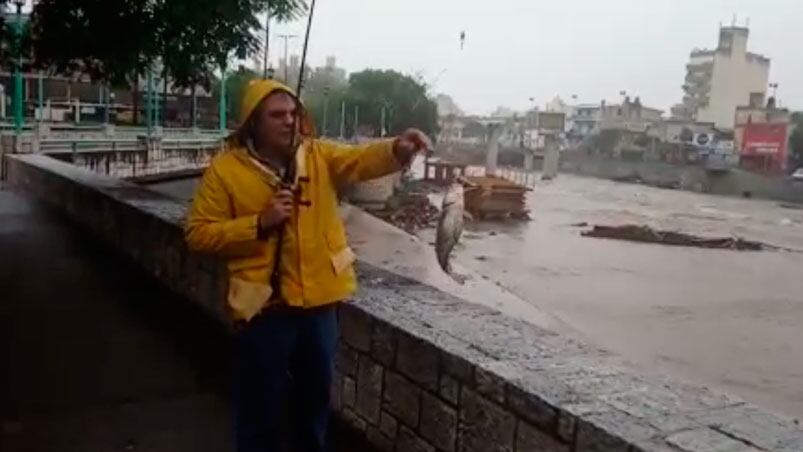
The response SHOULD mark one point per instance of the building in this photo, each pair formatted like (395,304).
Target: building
(761,136)
(719,80)
(681,131)
(629,115)
(583,122)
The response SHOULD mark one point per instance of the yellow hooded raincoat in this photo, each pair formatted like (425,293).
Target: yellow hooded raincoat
(316,263)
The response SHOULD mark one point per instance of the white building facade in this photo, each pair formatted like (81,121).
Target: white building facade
(717,81)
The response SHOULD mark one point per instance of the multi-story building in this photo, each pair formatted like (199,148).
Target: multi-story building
(761,136)
(629,115)
(584,121)
(719,80)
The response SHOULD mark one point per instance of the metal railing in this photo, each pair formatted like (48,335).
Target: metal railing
(101,145)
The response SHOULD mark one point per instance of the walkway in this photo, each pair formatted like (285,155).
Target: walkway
(95,356)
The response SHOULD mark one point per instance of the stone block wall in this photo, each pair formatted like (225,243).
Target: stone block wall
(419,370)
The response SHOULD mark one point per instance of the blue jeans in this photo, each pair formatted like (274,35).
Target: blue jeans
(272,350)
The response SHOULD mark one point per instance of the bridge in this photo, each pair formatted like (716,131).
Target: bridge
(114,338)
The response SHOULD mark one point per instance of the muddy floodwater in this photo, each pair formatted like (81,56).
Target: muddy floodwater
(727,319)
(731,319)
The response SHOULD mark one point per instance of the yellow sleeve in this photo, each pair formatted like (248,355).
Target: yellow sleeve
(349,164)
(210,227)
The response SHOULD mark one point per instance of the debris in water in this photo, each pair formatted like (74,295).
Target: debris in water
(481,258)
(450,225)
(646,234)
(413,212)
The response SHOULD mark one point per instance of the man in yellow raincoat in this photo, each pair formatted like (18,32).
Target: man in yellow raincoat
(237,213)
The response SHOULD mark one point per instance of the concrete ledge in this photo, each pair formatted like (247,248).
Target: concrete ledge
(420,370)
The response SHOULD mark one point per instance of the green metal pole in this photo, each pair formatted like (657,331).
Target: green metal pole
(382,131)
(156,107)
(106,91)
(356,118)
(149,103)
(194,108)
(18,73)
(40,97)
(325,113)
(342,119)
(222,102)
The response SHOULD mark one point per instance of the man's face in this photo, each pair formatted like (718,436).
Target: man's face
(274,123)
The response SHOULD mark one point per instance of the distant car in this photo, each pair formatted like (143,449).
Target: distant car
(798,175)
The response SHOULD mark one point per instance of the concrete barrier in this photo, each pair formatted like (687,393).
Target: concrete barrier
(421,371)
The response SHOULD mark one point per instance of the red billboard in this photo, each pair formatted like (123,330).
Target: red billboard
(765,139)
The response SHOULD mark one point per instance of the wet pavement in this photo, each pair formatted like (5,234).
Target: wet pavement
(728,319)
(97,356)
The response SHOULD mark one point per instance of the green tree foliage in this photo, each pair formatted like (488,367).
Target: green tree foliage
(235,84)
(114,40)
(405,100)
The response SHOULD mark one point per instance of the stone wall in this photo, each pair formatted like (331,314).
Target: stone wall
(688,177)
(422,371)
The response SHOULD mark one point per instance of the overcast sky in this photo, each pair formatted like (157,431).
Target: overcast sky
(517,49)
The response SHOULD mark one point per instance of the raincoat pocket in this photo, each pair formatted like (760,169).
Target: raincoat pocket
(247,298)
(340,253)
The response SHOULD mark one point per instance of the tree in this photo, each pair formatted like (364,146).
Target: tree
(106,39)
(118,40)
(235,84)
(405,101)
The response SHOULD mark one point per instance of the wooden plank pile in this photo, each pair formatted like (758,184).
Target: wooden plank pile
(495,197)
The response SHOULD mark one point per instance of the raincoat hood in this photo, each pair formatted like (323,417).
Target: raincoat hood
(258,89)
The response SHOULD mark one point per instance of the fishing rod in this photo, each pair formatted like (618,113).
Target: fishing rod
(290,174)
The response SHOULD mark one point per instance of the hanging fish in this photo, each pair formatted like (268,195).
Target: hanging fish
(450,225)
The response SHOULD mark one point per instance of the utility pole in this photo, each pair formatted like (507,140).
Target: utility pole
(342,119)
(267,45)
(286,65)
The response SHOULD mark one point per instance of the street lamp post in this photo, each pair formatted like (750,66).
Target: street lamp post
(267,45)
(774,87)
(286,38)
